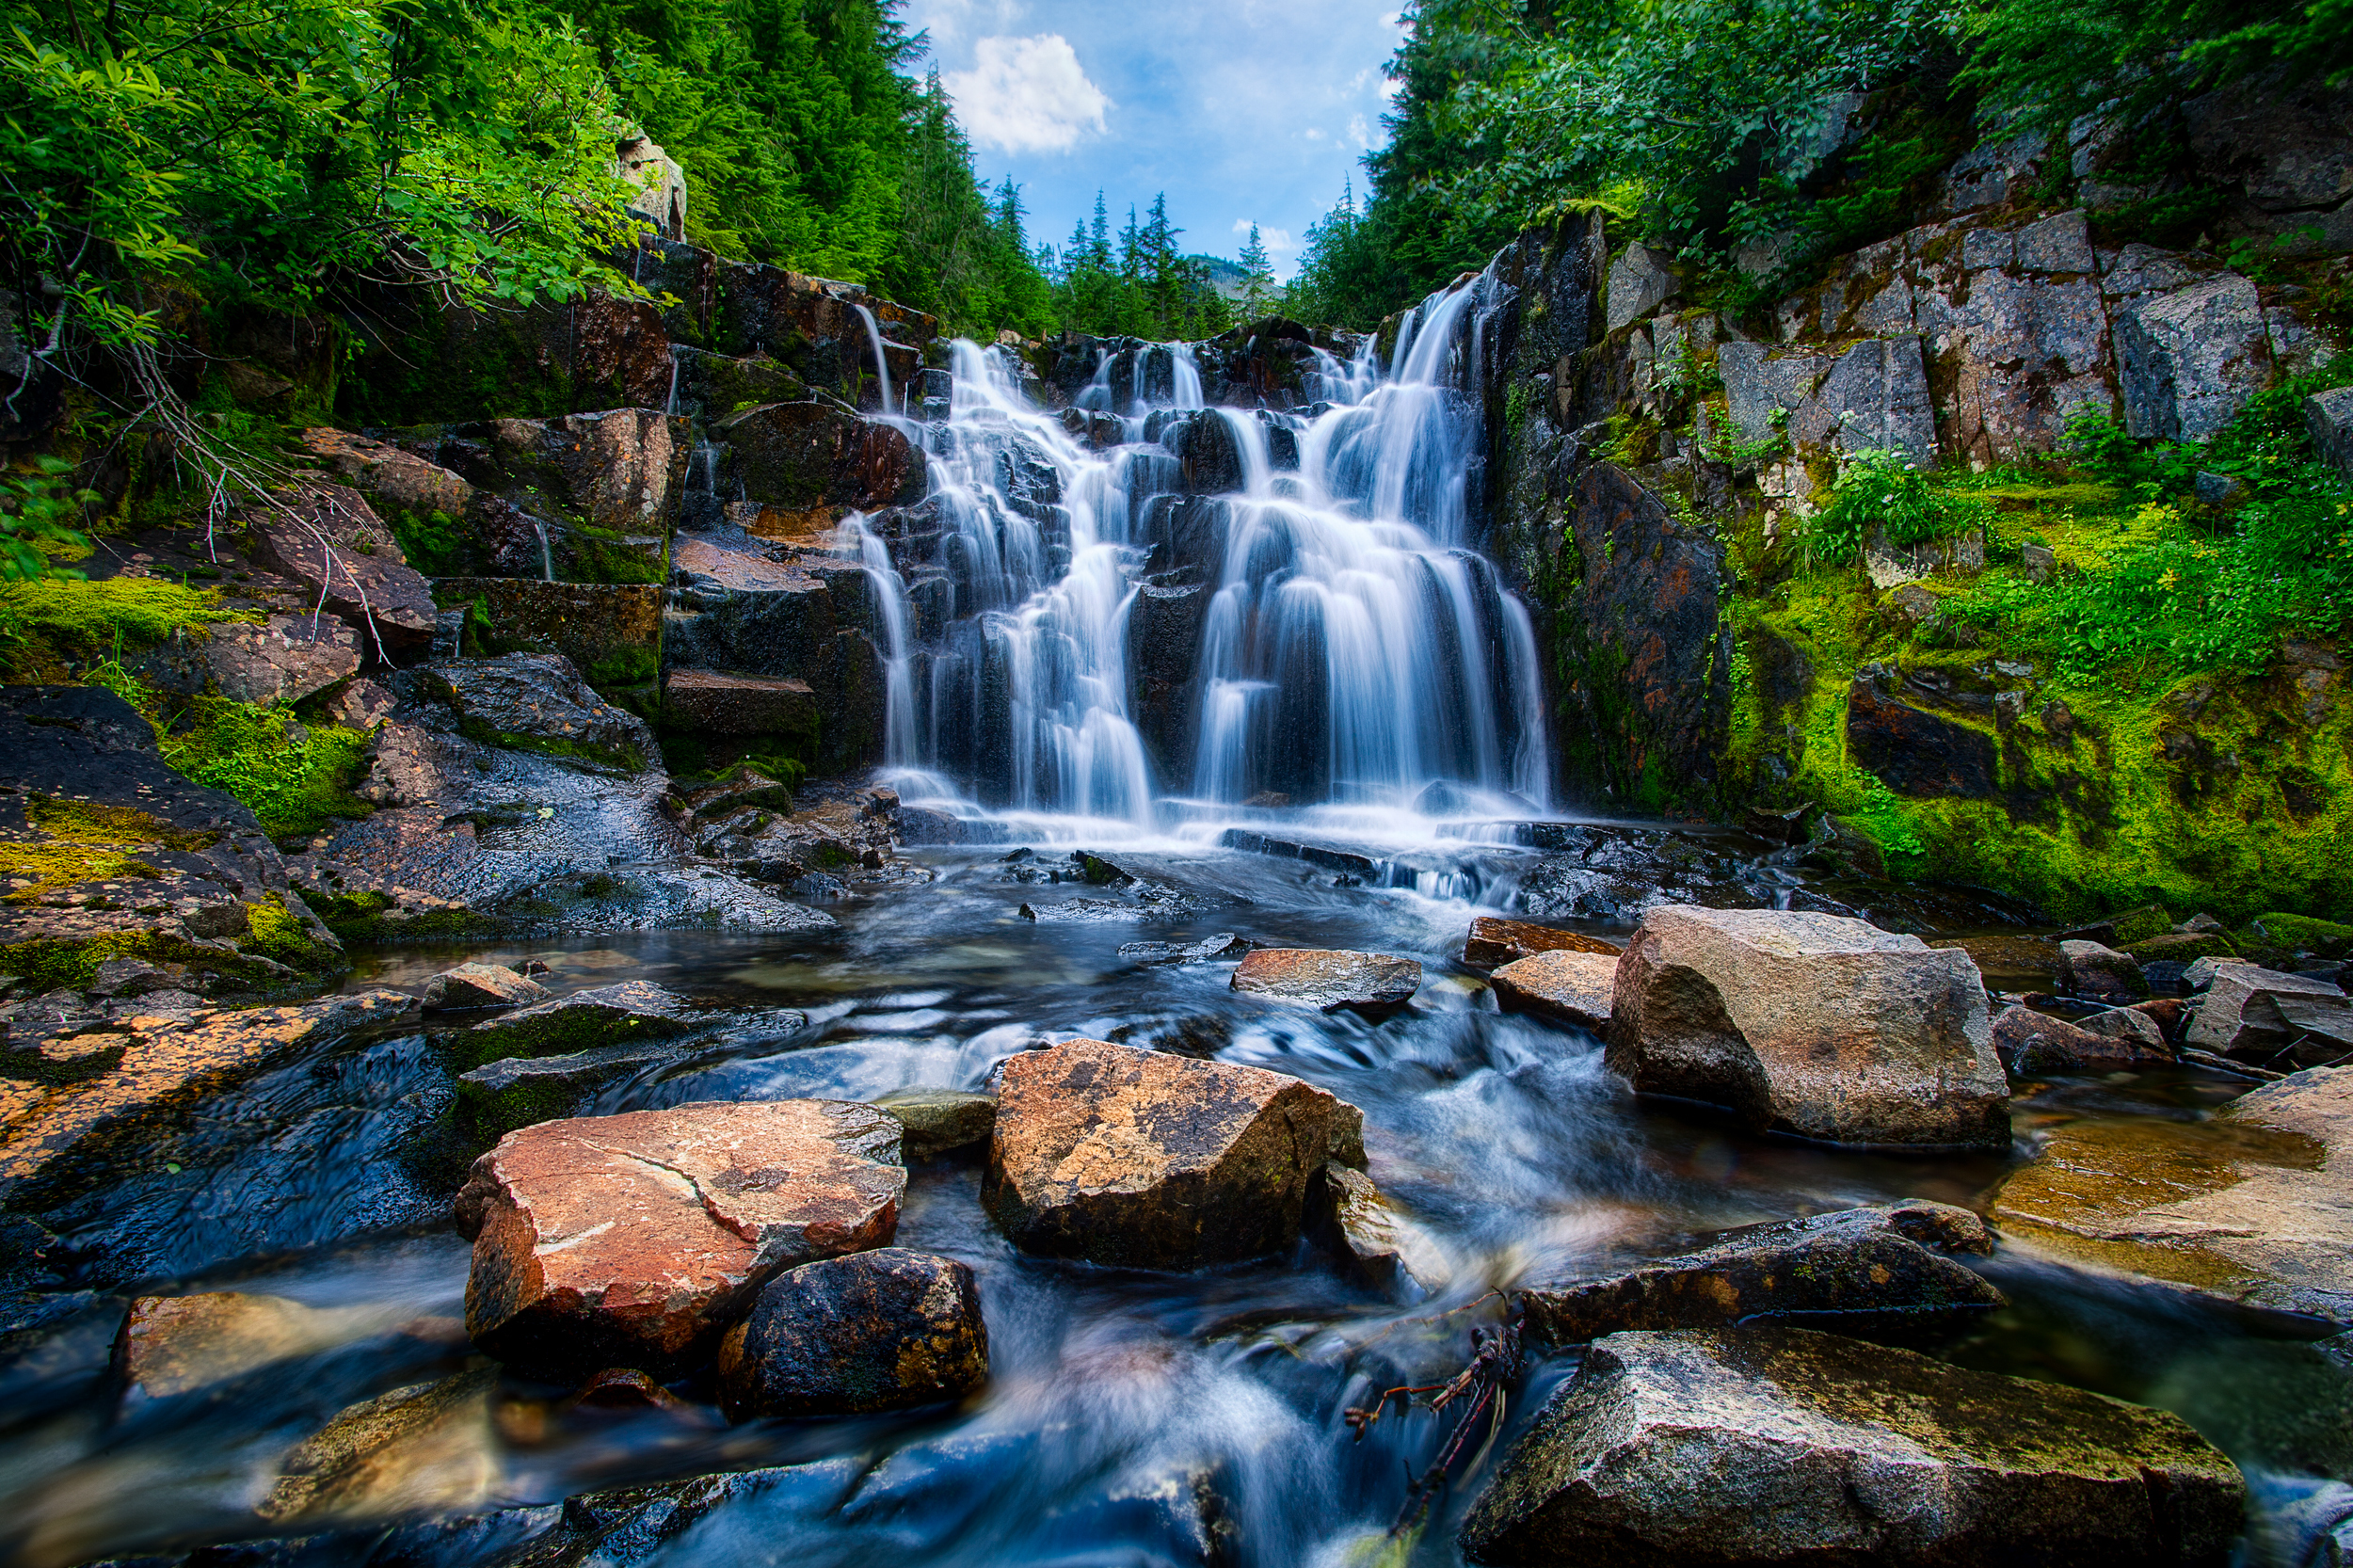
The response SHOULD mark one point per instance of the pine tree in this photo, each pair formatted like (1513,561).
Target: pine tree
(1257,277)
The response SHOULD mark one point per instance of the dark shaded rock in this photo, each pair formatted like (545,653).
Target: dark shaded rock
(881,1330)
(1347,1216)
(805,465)
(480,986)
(939,1121)
(1150,1160)
(611,632)
(634,1239)
(1881,1273)
(1494,941)
(326,537)
(2099,973)
(1915,752)
(539,701)
(2130,1025)
(1570,985)
(517,1092)
(1330,980)
(1813,1024)
(282,661)
(2031,1043)
(1774,1445)
(634,1010)
(714,702)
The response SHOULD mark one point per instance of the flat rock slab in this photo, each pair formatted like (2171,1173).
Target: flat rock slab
(1135,1158)
(517,1092)
(1775,1445)
(1883,1272)
(632,1241)
(2255,1205)
(939,1121)
(1329,979)
(607,1016)
(1494,942)
(2259,1014)
(146,1065)
(481,985)
(1816,1025)
(882,1330)
(1571,986)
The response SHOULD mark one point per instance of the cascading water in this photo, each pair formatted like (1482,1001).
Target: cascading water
(882,366)
(1307,574)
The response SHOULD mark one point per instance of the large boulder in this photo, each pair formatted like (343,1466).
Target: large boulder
(479,984)
(1329,979)
(328,539)
(804,466)
(2254,1204)
(634,1239)
(1816,1025)
(2248,1011)
(2030,1043)
(281,660)
(1569,986)
(612,633)
(1882,1273)
(537,701)
(2099,973)
(1774,1445)
(1494,941)
(880,1330)
(1132,1157)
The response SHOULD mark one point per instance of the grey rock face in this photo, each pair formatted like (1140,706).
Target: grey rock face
(2329,416)
(1757,383)
(1774,1445)
(2099,973)
(2191,359)
(1818,1025)
(1875,399)
(2247,1011)
(1640,280)
(286,660)
(1882,1273)
(540,698)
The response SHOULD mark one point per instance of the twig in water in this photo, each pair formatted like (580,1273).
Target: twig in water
(1495,1361)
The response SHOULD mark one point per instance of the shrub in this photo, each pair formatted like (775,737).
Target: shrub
(1902,498)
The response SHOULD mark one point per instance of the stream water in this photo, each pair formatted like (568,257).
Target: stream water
(1131,1418)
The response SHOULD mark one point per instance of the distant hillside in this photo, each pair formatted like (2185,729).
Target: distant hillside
(1224,276)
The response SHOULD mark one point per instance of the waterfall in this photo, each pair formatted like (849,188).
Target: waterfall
(670,405)
(882,366)
(1105,643)
(547,556)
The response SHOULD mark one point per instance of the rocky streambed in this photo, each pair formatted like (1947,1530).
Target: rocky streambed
(1299,1187)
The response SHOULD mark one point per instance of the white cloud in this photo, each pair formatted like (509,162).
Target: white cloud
(948,21)
(1313,133)
(1360,130)
(1026,95)
(1277,241)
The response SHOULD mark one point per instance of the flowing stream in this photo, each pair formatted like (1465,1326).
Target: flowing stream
(1353,653)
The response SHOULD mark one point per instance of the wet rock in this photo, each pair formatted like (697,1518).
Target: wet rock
(612,632)
(1331,979)
(1349,1218)
(155,1066)
(722,704)
(480,986)
(1209,949)
(742,787)
(2099,973)
(1494,941)
(882,1330)
(284,660)
(1813,1024)
(804,466)
(517,1092)
(427,1449)
(1775,1445)
(939,1121)
(1148,1161)
(634,1010)
(360,705)
(2258,1013)
(1093,911)
(2130,1025)
(1883,1273)
(1573,987)
(173,1345)
(634,1239)
(2031,1043)
(2249,1206)
(326,537)
(538,700)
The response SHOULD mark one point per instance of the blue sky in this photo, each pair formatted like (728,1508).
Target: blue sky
(1241,111)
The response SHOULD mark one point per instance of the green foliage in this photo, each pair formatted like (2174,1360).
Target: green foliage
(1139,284)
(40,512)
(294,778)
(435,543)
(1893,493)
(50,620)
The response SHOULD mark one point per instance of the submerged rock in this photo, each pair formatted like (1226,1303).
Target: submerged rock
(634,1239)
(2031,1043)
(1150,1160)
(606,1016)
(1349,1217)
(2254,1206)
(1574,987)
(470,986)
(1774,1445)
(1816,1025)
(1209,949)
(939,1121)
(1494,941)
(880,1330)
(177,1344)
(1329,979)
(427,1449)
(1883,1271)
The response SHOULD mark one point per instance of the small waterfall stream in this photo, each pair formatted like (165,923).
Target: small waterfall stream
(1308,571)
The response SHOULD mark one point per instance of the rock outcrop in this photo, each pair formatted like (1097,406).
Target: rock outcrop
(882,1330)
(1148,1161)
(1775,1445)
(1883,1274)
(1818,1025)
(1330,980)
(2029,1043)
(635,1239)
(2250,1206)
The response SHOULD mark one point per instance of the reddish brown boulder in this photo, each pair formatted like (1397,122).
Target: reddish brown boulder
(1330,980)
(1494,942)
(1132,1156)
(717,703)
(634,1239)
(809,464)
(1573,987)
(326,537)
(2029,1041)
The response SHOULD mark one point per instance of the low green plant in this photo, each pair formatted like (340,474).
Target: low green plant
(41,514)
(295,779)
(1907,501)
(48,620)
